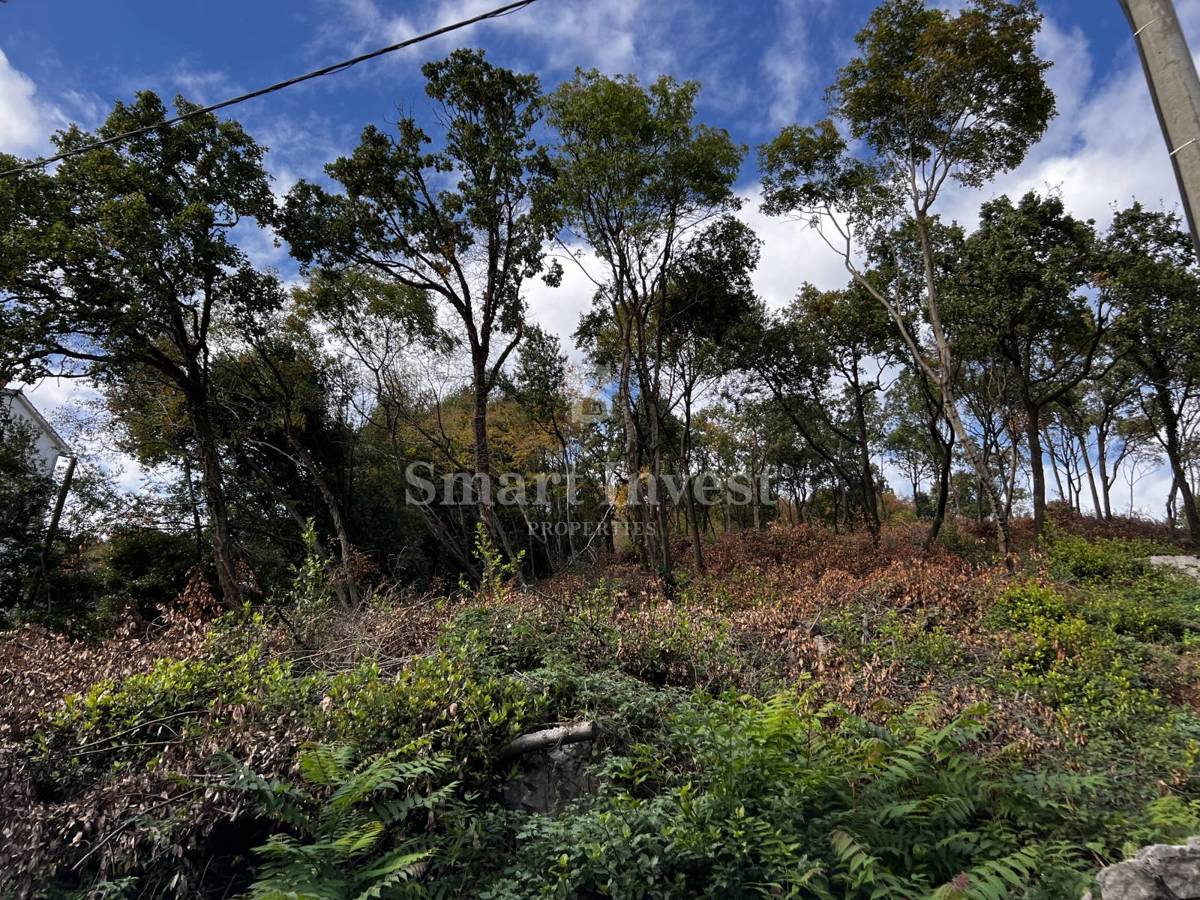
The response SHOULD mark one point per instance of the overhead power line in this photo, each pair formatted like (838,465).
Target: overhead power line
(279,86)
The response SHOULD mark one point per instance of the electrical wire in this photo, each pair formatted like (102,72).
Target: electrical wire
(278,86)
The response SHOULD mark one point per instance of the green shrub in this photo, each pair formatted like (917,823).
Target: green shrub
(753,798)
(114,725)
(667,644)
(1154,607)
(1075,558)
(1094,677)
(347,831)
(466,710)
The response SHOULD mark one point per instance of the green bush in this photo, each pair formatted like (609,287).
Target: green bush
(1094,677)
(764,798)
(347,831)
(146,567)
(114,725)
(466,710)
(1074,558)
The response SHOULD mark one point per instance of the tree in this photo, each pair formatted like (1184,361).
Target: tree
(710,299)
(465,223)
(921,442)
(281,392)
(932,97)
(123,261)
(1109,399)
(634,178)
(26,491)
(824,360)
(1153,282)
(1019,301)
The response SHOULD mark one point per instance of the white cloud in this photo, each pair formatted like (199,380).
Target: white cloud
(792,253)
(557,309)
(638,36)
(200,86)
(786,66)
(26,121)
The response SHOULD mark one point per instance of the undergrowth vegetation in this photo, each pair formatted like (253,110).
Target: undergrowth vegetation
(809,719)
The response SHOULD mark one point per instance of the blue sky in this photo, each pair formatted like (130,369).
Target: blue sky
(762,64)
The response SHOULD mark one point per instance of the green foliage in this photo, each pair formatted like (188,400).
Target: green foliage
(25,497)
(311,593)
(350,831)
(147,567)
(660,643)
(922,643)
(1121,592)
(117,725)
(1078,559)
(1093,676)
(497,572)
(762,798)
(450,696)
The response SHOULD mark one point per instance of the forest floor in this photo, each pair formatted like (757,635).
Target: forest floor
(813,716)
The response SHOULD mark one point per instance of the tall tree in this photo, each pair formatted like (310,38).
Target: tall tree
(634,177)
(932,96)
(824,360)
(1153,281)
(123,261)
(710,299)
(464,223)
(1020,300)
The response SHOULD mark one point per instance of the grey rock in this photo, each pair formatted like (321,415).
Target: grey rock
(548,781)
(1184,565)
(1178,867)
(1158,872)
(1131,880)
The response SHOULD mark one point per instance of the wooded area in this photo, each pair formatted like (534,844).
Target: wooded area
(350,455)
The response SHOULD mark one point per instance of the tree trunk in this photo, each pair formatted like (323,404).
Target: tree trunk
(939,511)
(950,407)
(1037,468)
(1091,476)
(1102,462)
(224,552)
(346,548)
(193,502)
(483,463)
(1174,448)
(870,504)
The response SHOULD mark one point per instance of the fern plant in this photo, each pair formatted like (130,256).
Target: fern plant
(349,831)
(772,798)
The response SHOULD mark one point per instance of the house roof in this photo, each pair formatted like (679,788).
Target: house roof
(32,413)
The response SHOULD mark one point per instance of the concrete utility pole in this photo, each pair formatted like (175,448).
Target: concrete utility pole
(1175,90)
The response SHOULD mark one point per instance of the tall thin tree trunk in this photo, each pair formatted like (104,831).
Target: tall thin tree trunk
(193,502)
(346,548)
(1033,435)
(1091,476)
(949,404)
(1102,462)
(939,510)
(224,552)
(483,462)
(1174,448)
